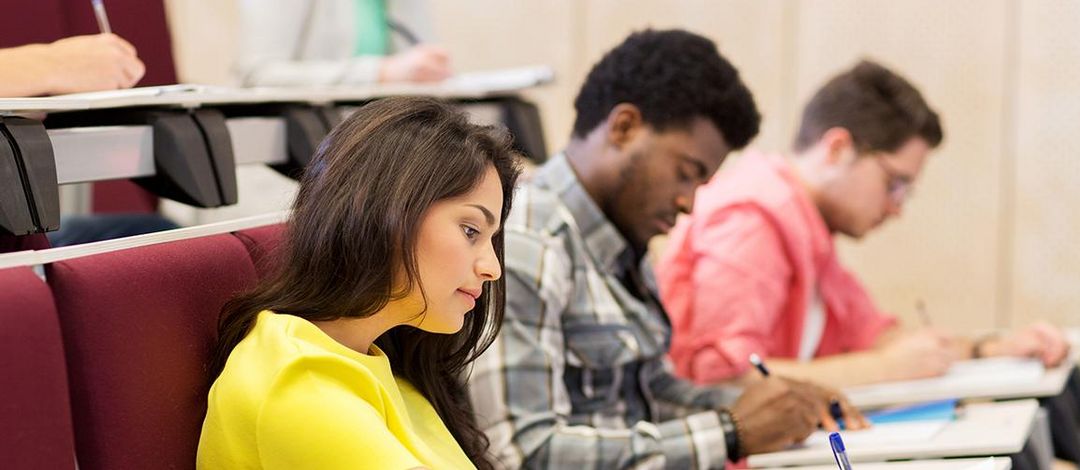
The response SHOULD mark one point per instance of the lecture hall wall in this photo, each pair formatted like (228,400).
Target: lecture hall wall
(988,239)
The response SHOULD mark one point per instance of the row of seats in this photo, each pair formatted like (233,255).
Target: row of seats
(105,363)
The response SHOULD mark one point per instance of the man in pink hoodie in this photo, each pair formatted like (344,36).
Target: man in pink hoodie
(753,269)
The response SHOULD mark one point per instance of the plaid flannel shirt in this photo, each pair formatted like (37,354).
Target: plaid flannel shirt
(578,377)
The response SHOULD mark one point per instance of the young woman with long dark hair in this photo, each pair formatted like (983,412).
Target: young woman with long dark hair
(351,354)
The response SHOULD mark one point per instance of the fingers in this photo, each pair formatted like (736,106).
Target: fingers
(119,43)
(433,63)
(832,405)
(822,399)
(811,407)
(439,55)
(939,363)
(432,72)
(131,68)
(777,413)
(419,64)
(828,423)
(1027,344)
(1054,345)
(810,418)
(429,73)
(1058,355)
(797,417)
(133,71)
(853,418)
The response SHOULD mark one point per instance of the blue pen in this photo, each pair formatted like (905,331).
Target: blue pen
(834,405)
(839,452)
(102,18)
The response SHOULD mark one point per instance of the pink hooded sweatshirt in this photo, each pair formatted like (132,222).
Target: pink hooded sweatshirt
(739,274)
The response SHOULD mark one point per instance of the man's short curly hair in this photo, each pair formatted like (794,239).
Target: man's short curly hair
(673,77)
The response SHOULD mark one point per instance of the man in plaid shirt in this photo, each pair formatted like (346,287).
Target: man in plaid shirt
(578,376)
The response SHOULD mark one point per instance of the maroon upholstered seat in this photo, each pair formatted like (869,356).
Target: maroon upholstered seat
(263,244)
(35,415)
(138,326)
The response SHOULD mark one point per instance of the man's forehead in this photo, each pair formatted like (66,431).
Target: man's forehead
(699,138)
(911,155)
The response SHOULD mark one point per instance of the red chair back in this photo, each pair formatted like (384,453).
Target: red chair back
(139,327)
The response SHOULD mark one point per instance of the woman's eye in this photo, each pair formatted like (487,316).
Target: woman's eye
(470,232)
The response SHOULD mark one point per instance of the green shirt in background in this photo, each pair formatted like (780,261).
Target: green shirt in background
(372,31)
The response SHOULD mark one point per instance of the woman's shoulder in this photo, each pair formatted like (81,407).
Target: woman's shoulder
(285,355)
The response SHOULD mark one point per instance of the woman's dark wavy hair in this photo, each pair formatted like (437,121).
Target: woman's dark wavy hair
(354,224)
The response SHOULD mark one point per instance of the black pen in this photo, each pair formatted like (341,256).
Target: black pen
(759,364)
(834,405)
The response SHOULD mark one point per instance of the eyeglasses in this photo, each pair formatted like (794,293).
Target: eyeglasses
(900,185)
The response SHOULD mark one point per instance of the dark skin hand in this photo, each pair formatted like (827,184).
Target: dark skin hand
(774,413)
(853,418)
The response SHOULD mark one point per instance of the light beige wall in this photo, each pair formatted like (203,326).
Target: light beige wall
(1044,224)
(987,239)
(204,39)
(946,247)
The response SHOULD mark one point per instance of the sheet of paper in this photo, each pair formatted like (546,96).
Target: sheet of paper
(505,79)
(912,431)
(138,92)
(964,375)
(109,98)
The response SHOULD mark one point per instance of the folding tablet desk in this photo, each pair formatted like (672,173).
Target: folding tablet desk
(999,463)
(984,429)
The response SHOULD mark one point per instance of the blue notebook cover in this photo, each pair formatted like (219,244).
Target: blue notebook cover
(934,410)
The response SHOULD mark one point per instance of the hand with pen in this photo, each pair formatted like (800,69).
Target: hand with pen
(918,354)
(832,406)
(70,65)
(777,412)
(94,62)
(773,414)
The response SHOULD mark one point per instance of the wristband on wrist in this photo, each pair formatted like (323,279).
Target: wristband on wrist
(730,425)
